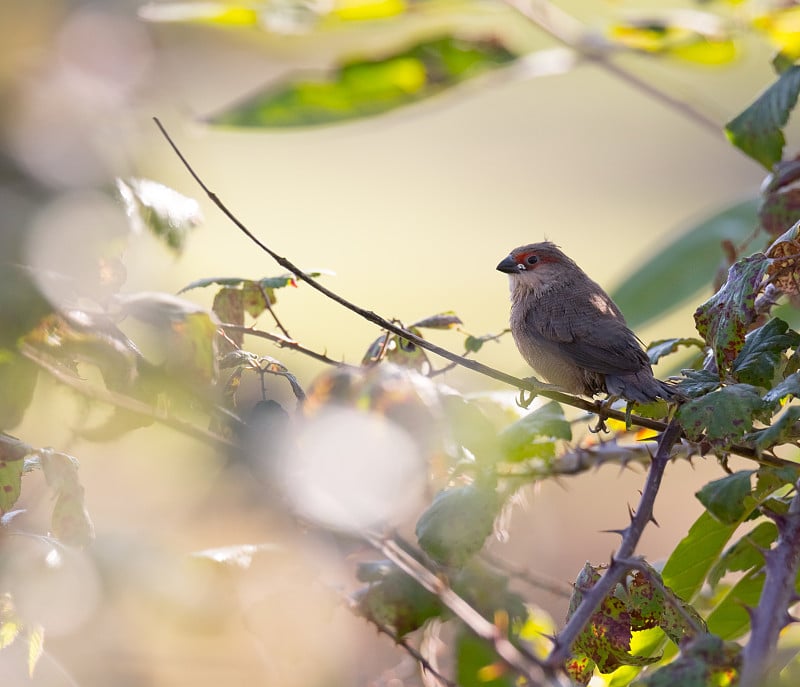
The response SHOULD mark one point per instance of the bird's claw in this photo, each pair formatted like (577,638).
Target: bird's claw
(600,426)
(524,401)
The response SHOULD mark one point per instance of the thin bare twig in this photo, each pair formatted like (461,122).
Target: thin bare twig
(272,312)
(571,33)
(284,343)
(519,660)
(618,567)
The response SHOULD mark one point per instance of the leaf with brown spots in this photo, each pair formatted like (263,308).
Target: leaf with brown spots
(723,416)
(784,268)
(725,318)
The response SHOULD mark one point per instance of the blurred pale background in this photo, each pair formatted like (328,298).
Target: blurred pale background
(412,211)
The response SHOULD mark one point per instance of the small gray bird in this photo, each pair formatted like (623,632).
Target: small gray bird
(570,331)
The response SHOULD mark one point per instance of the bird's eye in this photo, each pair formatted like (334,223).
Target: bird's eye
(532,259)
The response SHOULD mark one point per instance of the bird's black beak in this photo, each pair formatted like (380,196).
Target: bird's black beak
(508,265)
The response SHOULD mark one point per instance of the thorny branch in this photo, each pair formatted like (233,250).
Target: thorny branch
(619,563)
(516,658)
(546,390)
(771,615)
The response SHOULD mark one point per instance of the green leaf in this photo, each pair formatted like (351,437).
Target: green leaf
(457,523)
(686,569)
(166,213)
(18,377)
(477,665)
(762,354)
(399,602)
(758,131)
(778,432)
(725,498)
(70,521)
(723,416)
(705,660)
(35,647)
(723,320)
(730,619)
(698,382)
(473,343)
(519,440)
(658,349)
(471,428)
(745,553)
(790,386)
(12,453)
(9,622)
(642,296)
(363,88)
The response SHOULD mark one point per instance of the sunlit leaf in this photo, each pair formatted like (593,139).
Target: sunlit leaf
(223,14)
(169,215)
(758,131)
(471,428)
(642,296)
(362,88)
(9,622)
(690,35)
(17,382)
(519,439)
(704,660)
(35,647)
(361,10)
(477,665)
(12,453)
(265,282)
(725,318)
(782,26)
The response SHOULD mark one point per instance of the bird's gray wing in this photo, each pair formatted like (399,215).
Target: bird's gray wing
(588,330)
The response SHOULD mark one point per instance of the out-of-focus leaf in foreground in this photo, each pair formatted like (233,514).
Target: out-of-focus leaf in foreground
(694,36)
(368,87)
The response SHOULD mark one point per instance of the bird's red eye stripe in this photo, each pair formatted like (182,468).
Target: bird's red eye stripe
(523,258)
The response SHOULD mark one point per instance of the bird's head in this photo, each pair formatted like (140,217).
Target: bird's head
(537,267)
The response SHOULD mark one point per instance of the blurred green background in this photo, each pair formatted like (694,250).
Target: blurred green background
(411,210)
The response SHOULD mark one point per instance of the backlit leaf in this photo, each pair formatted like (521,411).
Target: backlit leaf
(730,620)
(363,88)
(658,349)
(168,214)
(445,320)
(519,439)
